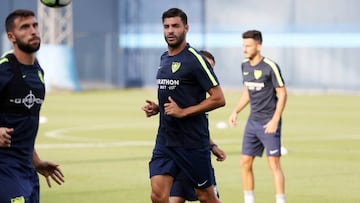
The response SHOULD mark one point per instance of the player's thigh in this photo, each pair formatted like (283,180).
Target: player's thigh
(161,184)
(17,187)
(251,143)
(272,142)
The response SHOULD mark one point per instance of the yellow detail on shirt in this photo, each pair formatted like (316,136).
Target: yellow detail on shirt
(203,64)
(276,71)
(18,200)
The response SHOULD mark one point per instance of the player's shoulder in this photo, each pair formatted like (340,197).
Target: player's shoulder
(195,55)
(192,51)
(6,57)
(270,62)
(246,60)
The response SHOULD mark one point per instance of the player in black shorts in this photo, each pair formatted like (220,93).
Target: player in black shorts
(22,93)
(265,91)
(181,189)
(182,146)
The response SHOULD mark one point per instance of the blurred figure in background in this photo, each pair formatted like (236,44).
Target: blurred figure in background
(265,91)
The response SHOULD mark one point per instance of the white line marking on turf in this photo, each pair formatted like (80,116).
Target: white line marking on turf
(95,145)
(59,133)
(86,142)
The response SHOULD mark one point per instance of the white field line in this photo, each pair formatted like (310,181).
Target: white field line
(96,142)
(95,145)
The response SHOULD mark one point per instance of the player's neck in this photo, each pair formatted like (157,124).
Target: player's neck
(256,60)
(172,51)
(24,58)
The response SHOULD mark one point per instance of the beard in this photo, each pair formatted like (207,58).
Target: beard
(251,55)
(27,47)
(179,40)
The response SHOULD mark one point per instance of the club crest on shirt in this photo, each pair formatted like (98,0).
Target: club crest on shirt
(257,74)
(175,66)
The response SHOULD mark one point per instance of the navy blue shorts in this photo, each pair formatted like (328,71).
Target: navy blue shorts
(255,140)
(195,164)
(182,187)
(18,187)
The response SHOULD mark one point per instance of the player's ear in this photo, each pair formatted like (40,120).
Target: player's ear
(11,36)
(258,47)
(186,27)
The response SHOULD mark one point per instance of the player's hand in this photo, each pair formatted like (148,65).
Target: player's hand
(172,109)
(233,119)
(5,136)
(47,169)
(271,127)
(219,153)
(150,108)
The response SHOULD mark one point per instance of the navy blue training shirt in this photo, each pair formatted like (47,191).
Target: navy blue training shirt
(186,77)
(22,93)
(261,81)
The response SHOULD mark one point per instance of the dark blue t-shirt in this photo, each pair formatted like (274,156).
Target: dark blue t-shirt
(261,81)
(186,78)
(23,93)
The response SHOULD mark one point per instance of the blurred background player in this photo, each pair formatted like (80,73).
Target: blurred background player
(182,189)
(265,91)
(22,93)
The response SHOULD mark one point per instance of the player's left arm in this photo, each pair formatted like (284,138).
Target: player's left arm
(215,100)
(272,125)
(217,151)
(47,168)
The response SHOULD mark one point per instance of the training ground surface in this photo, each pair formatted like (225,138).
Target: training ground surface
(103,142)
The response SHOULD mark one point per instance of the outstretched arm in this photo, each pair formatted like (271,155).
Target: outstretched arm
(47,169)
(243,102)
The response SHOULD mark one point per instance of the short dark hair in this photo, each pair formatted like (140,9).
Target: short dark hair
(10,19)
(207,55)
(175,12)
(253,34)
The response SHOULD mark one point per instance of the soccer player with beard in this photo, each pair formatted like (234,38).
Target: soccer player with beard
(22,92)
(265,91)
(182,144)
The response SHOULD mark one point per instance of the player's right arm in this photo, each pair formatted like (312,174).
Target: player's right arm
(243,102)
(5,136)
(151,108)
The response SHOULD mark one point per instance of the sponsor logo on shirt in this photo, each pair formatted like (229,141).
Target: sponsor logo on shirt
(168,83)
(29,100)
(254,85)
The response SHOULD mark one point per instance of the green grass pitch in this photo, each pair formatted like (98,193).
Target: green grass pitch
(103,142)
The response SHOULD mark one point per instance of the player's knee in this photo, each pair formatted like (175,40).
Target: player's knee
(158,197)
(245,164)
(203,197)
(206,195)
